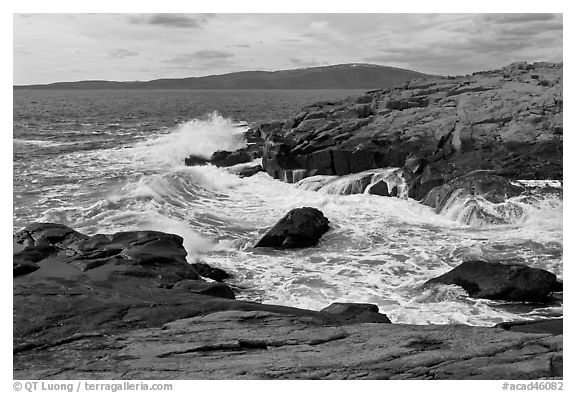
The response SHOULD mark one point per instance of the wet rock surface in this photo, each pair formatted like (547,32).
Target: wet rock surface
(223,158)
(499,281)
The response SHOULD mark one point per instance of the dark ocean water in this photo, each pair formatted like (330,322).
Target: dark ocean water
(111,160)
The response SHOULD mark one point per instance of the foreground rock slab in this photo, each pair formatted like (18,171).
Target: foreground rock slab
(301,227)
(238,344)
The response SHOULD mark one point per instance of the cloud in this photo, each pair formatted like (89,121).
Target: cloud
(517,18)
(212,54)
(464,45)
(122,53)
(221,65)
(182,21)
(189,44)
(199,57)
(304,63)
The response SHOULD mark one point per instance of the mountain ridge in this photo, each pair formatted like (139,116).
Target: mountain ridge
(339,76)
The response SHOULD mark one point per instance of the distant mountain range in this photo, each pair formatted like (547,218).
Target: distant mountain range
(344,76)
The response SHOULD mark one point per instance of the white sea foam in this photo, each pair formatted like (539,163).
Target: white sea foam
(358,183)
(40,143)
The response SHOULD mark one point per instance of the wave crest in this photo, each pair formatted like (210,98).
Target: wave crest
(201,137)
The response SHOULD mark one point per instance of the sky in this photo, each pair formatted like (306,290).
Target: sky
(124,47)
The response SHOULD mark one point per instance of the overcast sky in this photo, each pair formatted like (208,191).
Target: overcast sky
(69,47)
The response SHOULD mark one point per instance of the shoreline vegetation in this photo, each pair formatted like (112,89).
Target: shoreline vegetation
(128,305)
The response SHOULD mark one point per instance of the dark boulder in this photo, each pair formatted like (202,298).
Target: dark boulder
(357,312)
(498,281)
(149,253)
(47,234)
(210,272)
(301,227)
(224,158)
(194,160)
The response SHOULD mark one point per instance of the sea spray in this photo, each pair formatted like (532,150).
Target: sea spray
(200,137)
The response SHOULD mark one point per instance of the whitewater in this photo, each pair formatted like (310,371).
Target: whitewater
(379,250)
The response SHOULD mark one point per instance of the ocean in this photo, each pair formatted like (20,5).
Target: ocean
(103,161)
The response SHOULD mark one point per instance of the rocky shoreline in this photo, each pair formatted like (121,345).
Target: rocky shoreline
(129,306)
(508,121)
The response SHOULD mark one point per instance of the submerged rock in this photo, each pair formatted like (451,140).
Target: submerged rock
(314,183)
(498,281)
(478,198)
(349,184)
(486,184)
(389,182)
(301,227)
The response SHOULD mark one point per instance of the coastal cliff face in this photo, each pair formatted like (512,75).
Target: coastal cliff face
(508,121)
